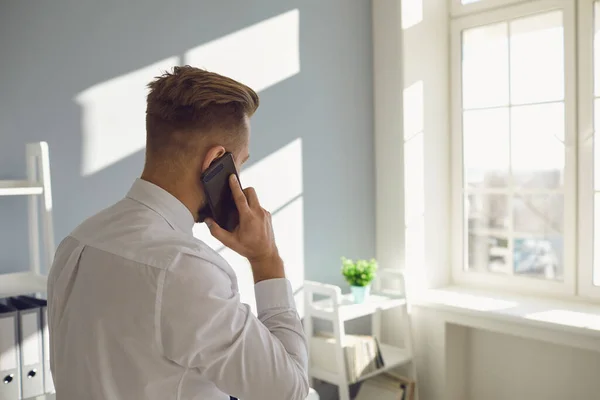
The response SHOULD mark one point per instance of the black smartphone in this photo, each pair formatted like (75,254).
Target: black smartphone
(218,193)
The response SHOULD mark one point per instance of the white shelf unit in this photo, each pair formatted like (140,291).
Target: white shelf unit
(37,187)
(19,188)
(338,309)
(21,283)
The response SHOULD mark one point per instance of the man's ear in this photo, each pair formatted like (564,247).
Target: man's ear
(212,154)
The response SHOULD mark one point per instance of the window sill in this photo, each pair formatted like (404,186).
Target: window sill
(562,322)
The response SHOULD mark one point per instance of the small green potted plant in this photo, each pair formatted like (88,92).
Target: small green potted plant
(359,274)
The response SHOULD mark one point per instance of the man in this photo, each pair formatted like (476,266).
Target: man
(139,308)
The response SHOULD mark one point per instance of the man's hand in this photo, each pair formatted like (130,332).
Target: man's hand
(253,238)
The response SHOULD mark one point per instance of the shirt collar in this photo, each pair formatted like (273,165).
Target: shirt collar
(164,203)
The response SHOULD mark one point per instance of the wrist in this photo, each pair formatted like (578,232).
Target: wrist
(267,267)
(266,258)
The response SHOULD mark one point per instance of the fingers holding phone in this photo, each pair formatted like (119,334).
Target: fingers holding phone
(251,197)
(239,197)
(253,238)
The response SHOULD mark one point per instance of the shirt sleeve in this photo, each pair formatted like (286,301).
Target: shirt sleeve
(204,326)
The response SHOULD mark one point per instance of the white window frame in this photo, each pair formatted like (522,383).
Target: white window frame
(585,26)
(501,281)
(457,8)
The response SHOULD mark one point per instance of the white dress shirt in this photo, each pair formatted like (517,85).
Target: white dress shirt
(140,309)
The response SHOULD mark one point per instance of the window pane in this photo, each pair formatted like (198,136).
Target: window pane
(485,66)
(597,48)
(537,146)
(486,147)
(487,238)
(487,252)
(538,242)
(537,58)
(538,214)
(539,257)
(487,212)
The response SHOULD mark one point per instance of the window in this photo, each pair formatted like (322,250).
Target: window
(514,129)
(463,7)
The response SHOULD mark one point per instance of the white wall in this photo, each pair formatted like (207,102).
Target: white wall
(456,362)
(412,157)
(412,161)
(426,174)
(426,133)
(505,367)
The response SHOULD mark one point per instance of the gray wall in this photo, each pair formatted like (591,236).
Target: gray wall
(51,51)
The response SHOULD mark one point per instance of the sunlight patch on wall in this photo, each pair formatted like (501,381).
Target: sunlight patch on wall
(113,117)
(288,224)
(260,56)
(414,109)
(412,13)
(277,177)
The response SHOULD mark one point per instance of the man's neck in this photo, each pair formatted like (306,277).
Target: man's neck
(187,193)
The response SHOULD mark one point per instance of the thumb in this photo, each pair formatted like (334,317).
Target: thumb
(219,233)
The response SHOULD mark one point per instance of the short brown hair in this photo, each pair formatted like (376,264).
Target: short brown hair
(191,101)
